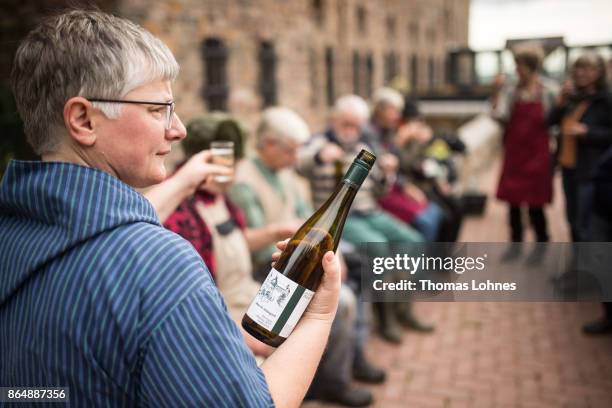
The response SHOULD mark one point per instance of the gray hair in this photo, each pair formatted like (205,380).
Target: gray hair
(590,58)
(281,123)
(354,105)
(82,53)
(387,96)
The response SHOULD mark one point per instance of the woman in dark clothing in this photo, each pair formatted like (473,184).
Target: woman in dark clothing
(584,116)
(526,177)
(600,229)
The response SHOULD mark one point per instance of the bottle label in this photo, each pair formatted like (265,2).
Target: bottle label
(279,304)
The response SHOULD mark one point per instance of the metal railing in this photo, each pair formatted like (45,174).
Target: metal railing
(471,72)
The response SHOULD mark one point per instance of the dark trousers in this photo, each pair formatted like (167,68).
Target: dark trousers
(452,215)
(578,204)
(608,310)
(537,220)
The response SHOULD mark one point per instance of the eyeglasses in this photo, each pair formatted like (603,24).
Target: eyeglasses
(169,106)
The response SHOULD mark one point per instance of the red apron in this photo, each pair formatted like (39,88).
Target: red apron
(526,176)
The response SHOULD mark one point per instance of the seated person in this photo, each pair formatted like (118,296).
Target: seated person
(215,226)
(404,200)
(332,152)
(416,146)
(267,189)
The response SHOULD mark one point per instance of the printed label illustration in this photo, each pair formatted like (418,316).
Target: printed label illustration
(279,304)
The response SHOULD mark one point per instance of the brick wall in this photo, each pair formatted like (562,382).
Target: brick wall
(301,31)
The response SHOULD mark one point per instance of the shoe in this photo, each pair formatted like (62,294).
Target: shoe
(392,334)
(536,256)
(349,397)
(366,372)
(513,252)
(598,327)
(388,326)
(411,322)
(406,318)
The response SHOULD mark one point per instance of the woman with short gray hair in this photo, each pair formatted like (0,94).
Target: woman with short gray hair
(95,296)
(124,57)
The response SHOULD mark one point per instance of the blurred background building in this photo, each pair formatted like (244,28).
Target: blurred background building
(241,56)
(244,55)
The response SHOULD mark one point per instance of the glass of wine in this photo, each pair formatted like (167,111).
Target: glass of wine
(222,154)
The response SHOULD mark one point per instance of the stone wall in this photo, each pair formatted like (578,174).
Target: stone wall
(301,31)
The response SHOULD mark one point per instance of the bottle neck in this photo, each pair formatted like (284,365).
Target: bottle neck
(338,207)
(356,174)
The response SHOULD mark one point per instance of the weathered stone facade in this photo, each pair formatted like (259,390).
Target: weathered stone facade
(301,31)
(358,35)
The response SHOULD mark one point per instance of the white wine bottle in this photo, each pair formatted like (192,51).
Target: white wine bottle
(290,285)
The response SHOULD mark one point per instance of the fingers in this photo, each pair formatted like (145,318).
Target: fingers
(205,155)
(283,231)
(331,152)
(282,244)
(218,169)
(201,156)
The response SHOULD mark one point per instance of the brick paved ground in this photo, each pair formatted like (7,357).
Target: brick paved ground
(498,354)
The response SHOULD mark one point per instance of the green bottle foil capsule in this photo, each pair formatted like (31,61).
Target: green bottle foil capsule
(360,168)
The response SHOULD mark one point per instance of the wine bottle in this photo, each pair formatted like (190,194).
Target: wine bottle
(291,283)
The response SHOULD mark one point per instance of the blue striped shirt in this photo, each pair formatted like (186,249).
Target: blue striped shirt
(96,296)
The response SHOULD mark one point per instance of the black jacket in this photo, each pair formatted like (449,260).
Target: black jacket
(602,182)
(598,119)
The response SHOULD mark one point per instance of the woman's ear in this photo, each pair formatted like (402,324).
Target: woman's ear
(78,121)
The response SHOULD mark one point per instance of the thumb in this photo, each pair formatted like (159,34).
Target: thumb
(331,266)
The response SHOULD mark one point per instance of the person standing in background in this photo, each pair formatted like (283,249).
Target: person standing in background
(583,113)
(601,231)
(526,176)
